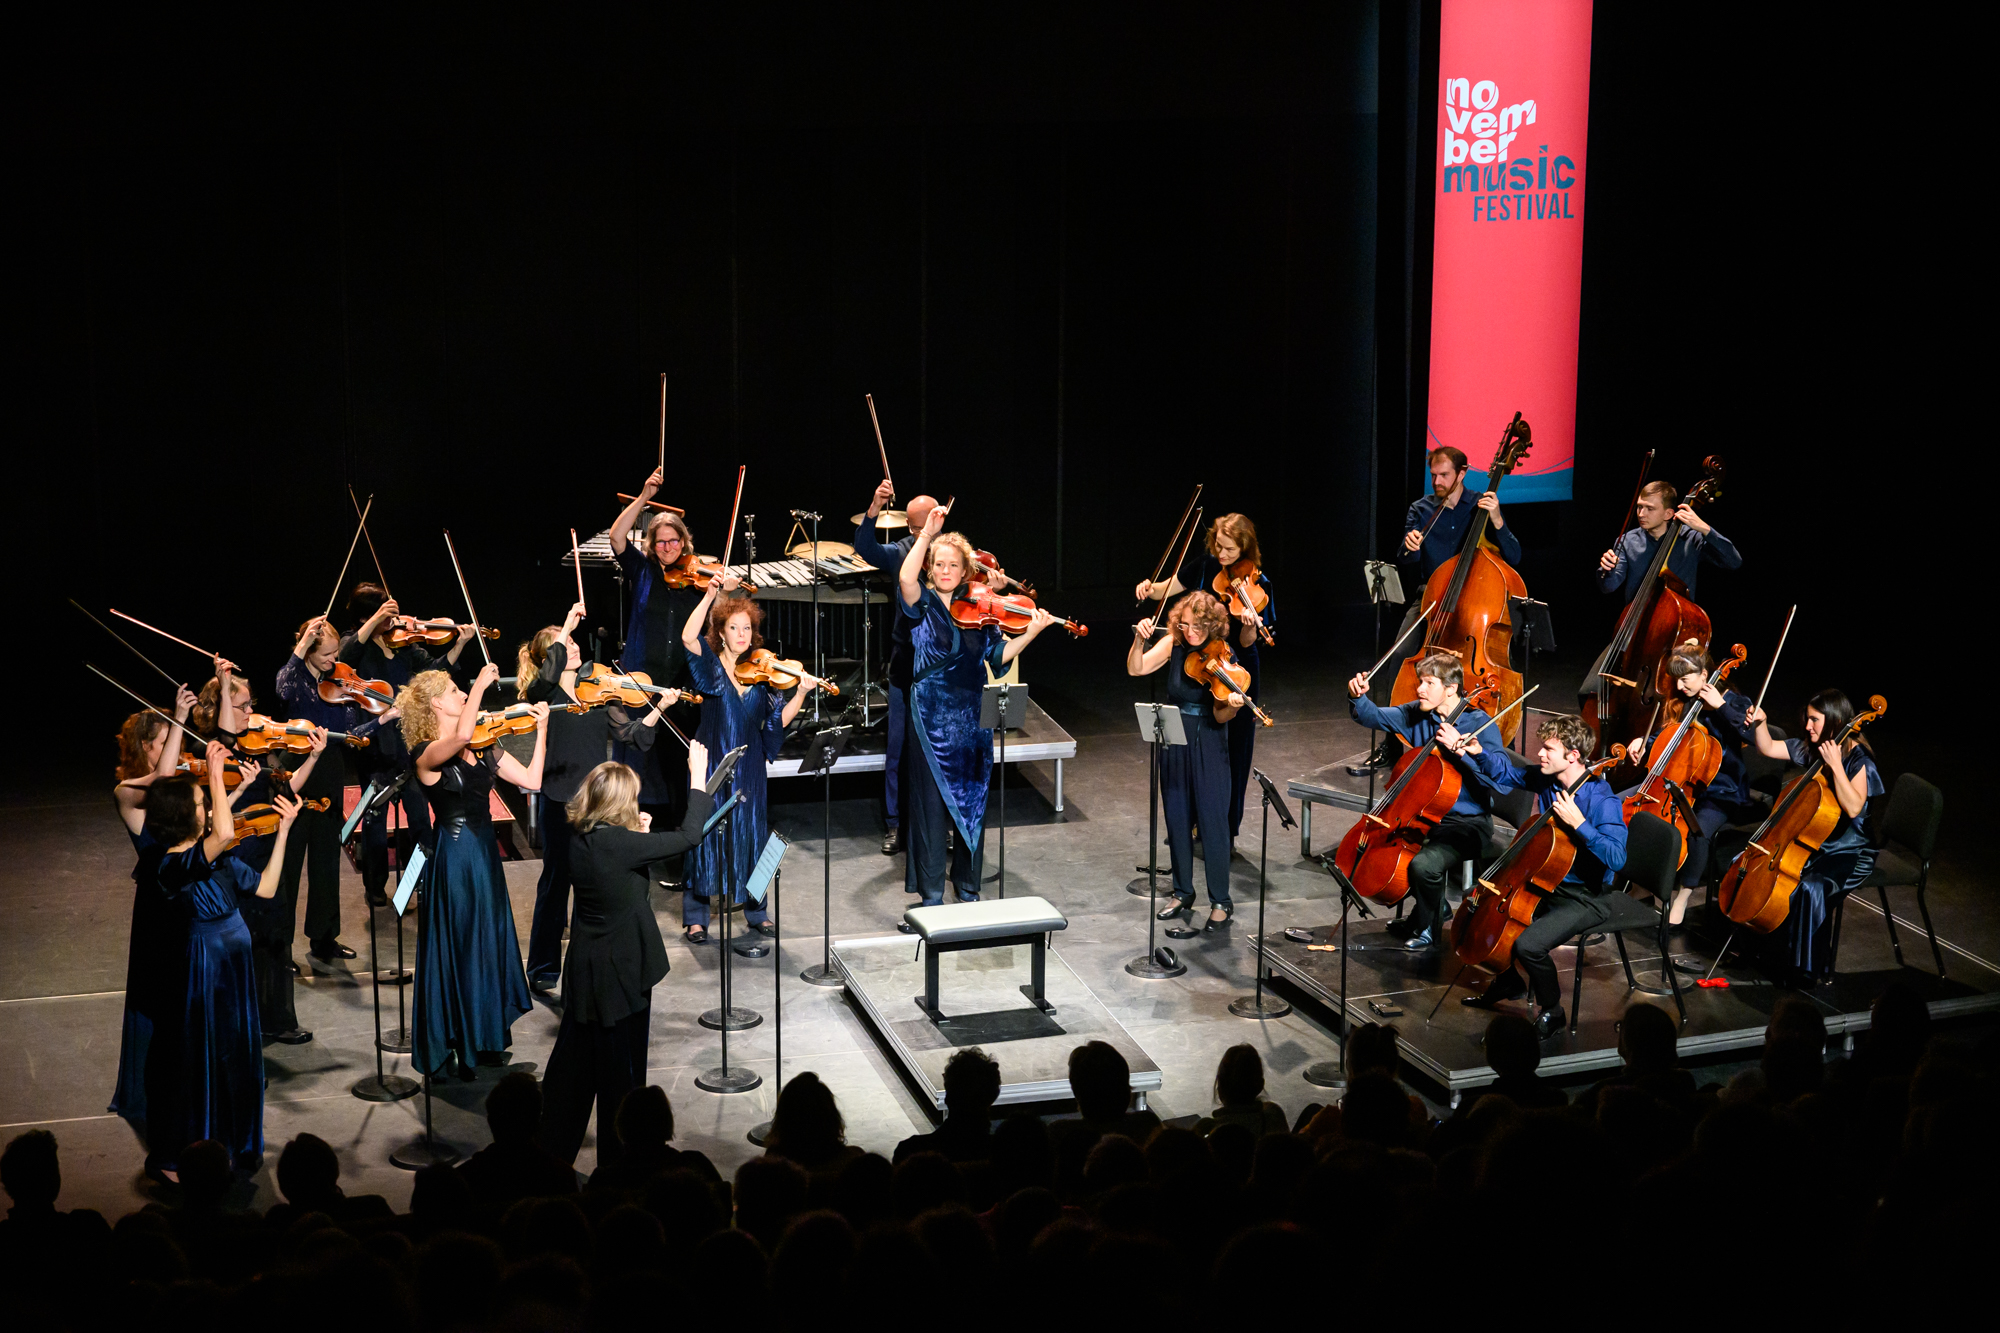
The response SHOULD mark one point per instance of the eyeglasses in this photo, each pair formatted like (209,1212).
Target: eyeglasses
(668,541)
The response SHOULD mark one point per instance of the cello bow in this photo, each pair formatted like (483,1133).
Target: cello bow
(1779,650)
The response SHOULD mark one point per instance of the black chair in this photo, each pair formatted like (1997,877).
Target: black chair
(1516,808)
(1652,860)
(1909,839)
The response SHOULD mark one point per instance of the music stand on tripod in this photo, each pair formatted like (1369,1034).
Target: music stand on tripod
(380,1086)
(1160,725)
(428,1150)
(825,751)
(1533,633)
(1256,1006)
(1385,585)
(1332,1073)
(1003,707)
(767,872)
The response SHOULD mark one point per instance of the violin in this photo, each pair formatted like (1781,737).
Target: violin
(698,571)
(1631,671)
(1012,612)
(761,666)
(515,720)
(1687,757)
(1375,855)
(986,569)
(1215,668)
(345,685)
(261,821)
(1758,887)
(601,685)
(1236,586)
(1470,598)
(440,633)
(266,735)
(1502,904)
(232,773)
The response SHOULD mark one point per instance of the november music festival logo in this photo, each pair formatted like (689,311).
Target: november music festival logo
(1506,185)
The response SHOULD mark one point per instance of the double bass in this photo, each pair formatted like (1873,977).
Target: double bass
(1469,596)
(1630,672)
(1375,855)
(1502,904)
(1758,887)
(1685,757)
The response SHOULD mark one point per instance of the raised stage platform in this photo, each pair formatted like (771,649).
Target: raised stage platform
(979,990)
(1039,741)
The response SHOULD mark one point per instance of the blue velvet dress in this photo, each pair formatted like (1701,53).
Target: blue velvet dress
(754,717)
(1831,873)
(470,986)
(951,765)
(210,1079)
(155,982)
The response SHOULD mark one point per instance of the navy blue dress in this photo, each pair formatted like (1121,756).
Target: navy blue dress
(211,1085)
(950,756)
(755,718)
(470,987)
(1195,786)
(155,982)
(1831,873)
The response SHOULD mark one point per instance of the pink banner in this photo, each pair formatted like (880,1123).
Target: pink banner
(1513,123)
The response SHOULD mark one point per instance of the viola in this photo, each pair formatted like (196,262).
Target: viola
(261,821)
(1375,855)
(489,727)
(1470,598)
(1758,887)
(635,689)
(1214,667)
(1502,904)
(440,633)
(1687,757)
(345,685)
(1237,587)
(1012,612)
(693,571)
(232,774)
(1631,671)
(265,735)
(761,666)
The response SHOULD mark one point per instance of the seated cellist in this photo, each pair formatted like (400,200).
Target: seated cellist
(1462,834)
(1596,821)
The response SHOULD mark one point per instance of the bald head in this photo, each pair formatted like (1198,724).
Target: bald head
(919,510)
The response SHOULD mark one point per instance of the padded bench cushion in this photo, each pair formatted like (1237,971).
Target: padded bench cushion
(995,918)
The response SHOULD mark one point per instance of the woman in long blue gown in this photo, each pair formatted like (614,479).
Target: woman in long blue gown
(1805,940)
(720,631)
(950,764)
(206,1067)
(470,985)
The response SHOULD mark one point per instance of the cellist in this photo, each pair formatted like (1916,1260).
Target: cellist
(1848,854)
(1463,833)
(1595,819)
(1623,568)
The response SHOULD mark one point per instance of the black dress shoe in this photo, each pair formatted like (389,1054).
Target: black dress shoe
(375,897)
(892,841)
(292,1037)
(1549,1022)
(1214,927)
(326,953)
(1505,987)
(906,928)
(768,929)
(1401,928)
(1176,906)
(543,985)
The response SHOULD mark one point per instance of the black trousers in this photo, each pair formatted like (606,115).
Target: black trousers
(375,835)
(1562,916)
(272,928)
(592,1065)
(551,895)
(926,818)
(314,846)
(1242,756)
(1456,839)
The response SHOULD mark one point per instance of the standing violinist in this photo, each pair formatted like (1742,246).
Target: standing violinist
(1726,800)
(663,597)
(951,755)
(1194,778)
(1596,822)
(890,559)
(1231,553)
(1623,568)
(1848,854)
(1465,829)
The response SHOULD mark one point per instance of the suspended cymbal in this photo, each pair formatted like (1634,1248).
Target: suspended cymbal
(803,551)
(888,518)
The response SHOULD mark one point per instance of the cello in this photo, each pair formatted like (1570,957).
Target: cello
(1375,855)
(1502,904)
(1469,598)
(1659,617)
(1684,757)
(1758,887)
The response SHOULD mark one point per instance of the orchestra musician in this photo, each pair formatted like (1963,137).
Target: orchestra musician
(1465,829)
(951,755)
(890,557)
(315,840)
(1622,568)
(1596,821)
(1195,779)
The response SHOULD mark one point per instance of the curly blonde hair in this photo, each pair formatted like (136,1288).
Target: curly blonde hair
(959,542)
(418,704)
(1203,611)
(609,795)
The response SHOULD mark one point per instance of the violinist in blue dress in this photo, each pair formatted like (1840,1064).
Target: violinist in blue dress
(470,986)
(720,633)
(1623,568)
(950,755)
(206,1071)
(1596,821)
(889,557)
(1194,778)
(1805,941)
(1231,541)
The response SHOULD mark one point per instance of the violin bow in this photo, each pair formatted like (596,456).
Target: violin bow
(162,633)
(121,638)
(660,704)
(878,442)
(155,712)
(1190,511)
(1773,668)
(341,577)
(380,577)
(663,425)
(460,571)
(735,509)
(1401,639)
(1645,471)
(576,561)
(1502,713)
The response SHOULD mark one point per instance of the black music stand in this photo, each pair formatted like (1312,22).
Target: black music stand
(1256,1006)
(1003,707)
(428,1150)
(1385,585)
(1161,725)
(1333,1073)
(381,1086)
(1533,633)
(768,868)
(827,747)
